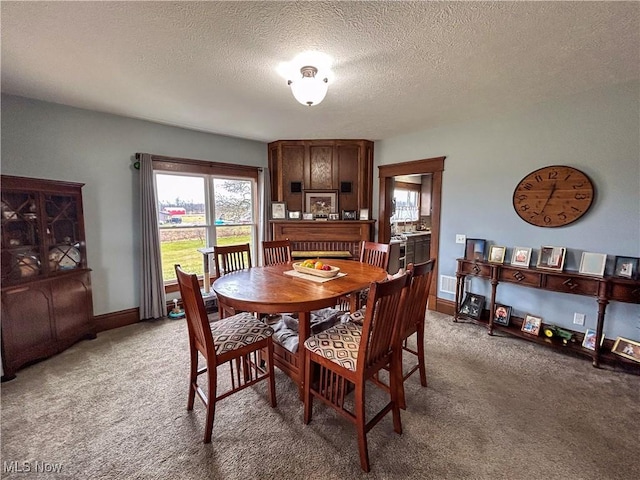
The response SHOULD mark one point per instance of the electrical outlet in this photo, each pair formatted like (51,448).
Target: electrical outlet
(460,238)
(578,318)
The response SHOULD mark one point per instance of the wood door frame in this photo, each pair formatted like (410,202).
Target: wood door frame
(433,166)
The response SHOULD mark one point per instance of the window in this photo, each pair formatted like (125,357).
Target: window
(202,210)
(406,200)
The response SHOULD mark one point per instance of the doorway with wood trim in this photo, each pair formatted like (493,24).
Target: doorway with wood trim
(387,173)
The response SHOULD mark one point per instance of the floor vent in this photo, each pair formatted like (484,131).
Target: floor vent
(447,284)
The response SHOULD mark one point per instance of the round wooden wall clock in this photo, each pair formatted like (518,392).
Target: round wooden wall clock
(553,196)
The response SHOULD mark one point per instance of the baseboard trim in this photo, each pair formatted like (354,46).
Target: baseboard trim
(447,307)
(119,319)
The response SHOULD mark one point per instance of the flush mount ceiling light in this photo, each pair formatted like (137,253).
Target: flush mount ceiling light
(309,89)
(308,76)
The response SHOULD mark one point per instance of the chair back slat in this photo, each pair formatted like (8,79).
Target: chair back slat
(230,258)
(374,253)
(417,297)
(276,252)
(379,330)
(195,313)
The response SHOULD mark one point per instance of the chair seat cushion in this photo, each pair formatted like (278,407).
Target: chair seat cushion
(238,331)
(339,344)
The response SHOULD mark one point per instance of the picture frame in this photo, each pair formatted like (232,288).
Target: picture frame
(626,348)
(348,214)
(472,305)
(521,256)
(531,325)
(552,258)
(626,267)
(364,214)
(496,254)
(295,215)
(589,340)
(307,216)
(501,314)
(321,202)
(334,216)
(593,264)
(474,249)
(278,210)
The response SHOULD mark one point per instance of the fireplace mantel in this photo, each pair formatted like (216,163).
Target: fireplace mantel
(324,236)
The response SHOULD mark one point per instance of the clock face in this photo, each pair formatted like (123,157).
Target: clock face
(553,196)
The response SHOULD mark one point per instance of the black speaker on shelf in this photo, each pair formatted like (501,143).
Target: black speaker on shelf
(345,187)
(296,187)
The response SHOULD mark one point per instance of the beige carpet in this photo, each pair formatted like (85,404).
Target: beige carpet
(496,408)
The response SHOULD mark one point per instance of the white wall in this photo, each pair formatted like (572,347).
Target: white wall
(46,140)
(597,132)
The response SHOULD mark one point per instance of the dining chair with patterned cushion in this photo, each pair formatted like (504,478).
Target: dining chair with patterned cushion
(275,252)
(373,253)
(346,355)
(412,320)
(239,340)
(227,259)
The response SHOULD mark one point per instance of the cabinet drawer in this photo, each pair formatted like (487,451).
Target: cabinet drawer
(625,291)
(520,276)
(479,269)
(577,285)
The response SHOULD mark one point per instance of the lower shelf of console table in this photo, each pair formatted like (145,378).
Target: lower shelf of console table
(603,290)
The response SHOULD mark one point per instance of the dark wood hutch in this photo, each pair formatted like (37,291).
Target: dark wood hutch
(46,285)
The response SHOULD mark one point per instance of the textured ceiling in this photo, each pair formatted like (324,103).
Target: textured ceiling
(398,66)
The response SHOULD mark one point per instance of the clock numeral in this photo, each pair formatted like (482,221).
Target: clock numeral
(562,216)
(538,178)
(527,186)
(567,177)
(578,185)
(547,219)
(521,197)
(576,209)
(525,207)
(553,175)
(581,196)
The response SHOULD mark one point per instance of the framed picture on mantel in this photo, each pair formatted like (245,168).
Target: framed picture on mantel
(321,202)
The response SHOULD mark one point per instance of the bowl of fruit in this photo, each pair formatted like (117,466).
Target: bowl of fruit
(316,267)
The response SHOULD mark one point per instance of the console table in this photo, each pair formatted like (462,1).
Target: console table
(603,289)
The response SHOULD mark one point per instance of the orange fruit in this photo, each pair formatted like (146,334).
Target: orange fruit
(319,265)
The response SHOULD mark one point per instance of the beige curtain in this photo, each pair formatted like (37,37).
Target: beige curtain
(264,192)
(152,297)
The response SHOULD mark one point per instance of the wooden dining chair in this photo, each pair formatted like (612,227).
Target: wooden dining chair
(412,321)
(229,258)
(276,252)
(372,253)
(346,355)
(239,340)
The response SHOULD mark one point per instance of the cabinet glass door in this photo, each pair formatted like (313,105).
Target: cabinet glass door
(20,236)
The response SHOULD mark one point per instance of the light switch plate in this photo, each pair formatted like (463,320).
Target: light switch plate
(460,238)
(578,318)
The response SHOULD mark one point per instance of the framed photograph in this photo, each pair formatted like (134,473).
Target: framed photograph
(348,214)
(496,254)
(307,216)
(295,215)
(502,314)
(334,216)
(521,256)
(626,267)
(552,258)
(321,202)
(627,348)
(364,214)
(593,264)
(278,210)
(531,325)
(589,341)
(472,305)
(474,249)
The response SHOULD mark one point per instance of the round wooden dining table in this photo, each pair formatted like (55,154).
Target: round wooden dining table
(271,290)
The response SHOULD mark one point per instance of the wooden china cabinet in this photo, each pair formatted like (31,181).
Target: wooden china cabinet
(46,286)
